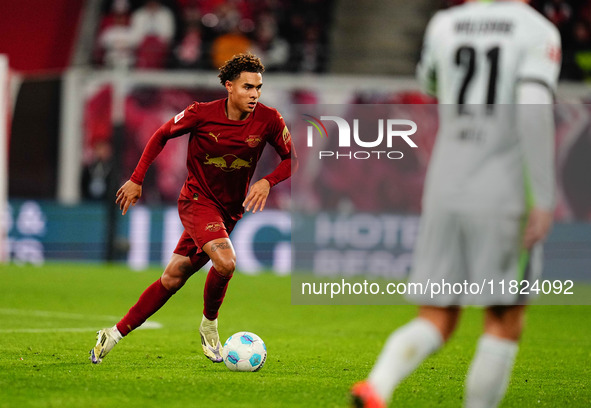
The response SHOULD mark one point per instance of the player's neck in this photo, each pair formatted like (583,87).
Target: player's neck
(233,113)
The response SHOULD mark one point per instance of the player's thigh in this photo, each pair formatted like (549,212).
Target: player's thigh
(186,247)
(437,260)
(210,232)
(222,255)
(202,221)
(497,260)
(493,245)
(177,271)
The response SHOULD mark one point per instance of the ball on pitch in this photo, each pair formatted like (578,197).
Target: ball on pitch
(244,351)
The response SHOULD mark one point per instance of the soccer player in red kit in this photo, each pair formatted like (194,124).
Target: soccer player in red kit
(226,140)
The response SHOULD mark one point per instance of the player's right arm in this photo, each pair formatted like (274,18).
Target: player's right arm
(127,195)
(131,191)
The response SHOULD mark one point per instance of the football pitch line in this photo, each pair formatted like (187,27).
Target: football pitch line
(63,315)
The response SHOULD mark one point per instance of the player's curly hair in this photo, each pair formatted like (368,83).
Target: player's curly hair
(240,63)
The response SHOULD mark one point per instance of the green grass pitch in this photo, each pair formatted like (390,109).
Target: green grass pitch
(48,317)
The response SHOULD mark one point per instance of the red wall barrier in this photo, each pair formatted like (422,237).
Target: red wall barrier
(39,35)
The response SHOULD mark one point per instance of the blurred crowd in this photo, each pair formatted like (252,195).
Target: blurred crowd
(289,36)
(573,20)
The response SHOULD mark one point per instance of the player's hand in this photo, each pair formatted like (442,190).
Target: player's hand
(127,195)
(537,228)
(257,196)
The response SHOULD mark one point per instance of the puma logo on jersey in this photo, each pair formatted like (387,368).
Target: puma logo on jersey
(214,136)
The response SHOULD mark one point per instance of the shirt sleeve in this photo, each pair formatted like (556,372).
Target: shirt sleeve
(541,58)
(536,134)
(537,80)
(175,127)
(281,141)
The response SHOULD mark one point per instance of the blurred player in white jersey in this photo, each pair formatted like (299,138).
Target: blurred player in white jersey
(489,193)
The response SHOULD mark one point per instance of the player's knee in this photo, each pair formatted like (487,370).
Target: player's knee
(505,321)
(513,330)
(172,283)
(172,279)
(176,274)
(225,266)
(443,319)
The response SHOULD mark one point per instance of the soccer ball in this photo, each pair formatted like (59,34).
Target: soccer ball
(244,351)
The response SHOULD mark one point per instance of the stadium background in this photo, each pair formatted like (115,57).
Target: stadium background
(71,61)
(87,93)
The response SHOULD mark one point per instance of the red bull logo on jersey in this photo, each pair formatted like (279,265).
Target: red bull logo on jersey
(214,226)
(228,162)
(349,136)
(253,140)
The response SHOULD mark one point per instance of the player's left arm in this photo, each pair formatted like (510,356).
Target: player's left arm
(538,76)
(259,191)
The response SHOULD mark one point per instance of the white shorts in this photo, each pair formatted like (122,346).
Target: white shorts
(472,259)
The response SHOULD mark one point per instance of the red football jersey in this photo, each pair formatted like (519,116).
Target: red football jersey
(222,153)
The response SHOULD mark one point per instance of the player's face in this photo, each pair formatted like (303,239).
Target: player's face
(244,93)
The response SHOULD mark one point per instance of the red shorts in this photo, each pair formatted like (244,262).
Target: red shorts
(203,223)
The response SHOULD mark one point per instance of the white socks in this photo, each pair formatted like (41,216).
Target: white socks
(117,334)
(405,349)
(408,346)
(490,372)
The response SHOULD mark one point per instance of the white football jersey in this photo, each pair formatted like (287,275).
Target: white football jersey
(474,57)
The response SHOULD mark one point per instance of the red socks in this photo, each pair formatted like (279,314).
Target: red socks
(156,295)
(216,285)
(153,298)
